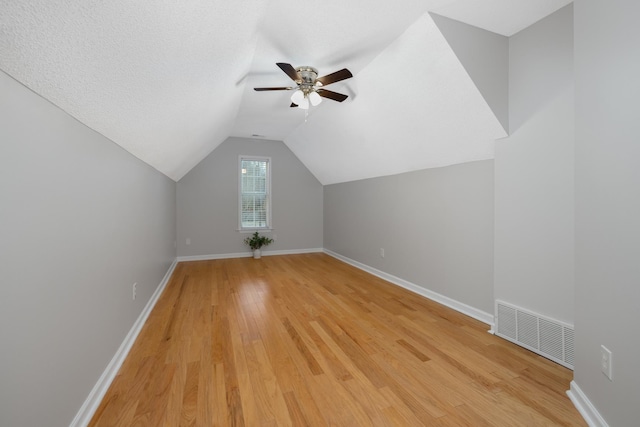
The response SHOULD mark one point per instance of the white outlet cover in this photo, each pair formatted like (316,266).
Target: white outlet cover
(607,362)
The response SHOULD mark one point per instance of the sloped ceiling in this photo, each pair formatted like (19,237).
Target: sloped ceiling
(169,81)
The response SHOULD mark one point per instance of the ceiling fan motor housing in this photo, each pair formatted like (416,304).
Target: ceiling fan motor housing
(308,76)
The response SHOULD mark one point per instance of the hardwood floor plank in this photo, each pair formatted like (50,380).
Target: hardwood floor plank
(206,398)
(406,387)
(399,411)
(333,362)
(411,349)
(314,367)
(463,416)
(306,340)
(268,382)
(176,389)
(295,413)
(231,381)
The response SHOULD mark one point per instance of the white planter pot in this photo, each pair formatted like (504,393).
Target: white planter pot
(257,253)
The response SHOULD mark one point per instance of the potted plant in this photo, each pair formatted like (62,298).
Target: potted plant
(255,242)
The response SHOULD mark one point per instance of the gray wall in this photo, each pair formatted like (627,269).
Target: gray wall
(534,183)
(607,66)
(207,200)
(80,220)
(435,225)
(485,57)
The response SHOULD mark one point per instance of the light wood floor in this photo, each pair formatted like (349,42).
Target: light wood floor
(308,340)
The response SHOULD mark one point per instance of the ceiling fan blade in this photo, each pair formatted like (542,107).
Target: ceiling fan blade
(260,89)
(332,95)
(289,70)
(335,77)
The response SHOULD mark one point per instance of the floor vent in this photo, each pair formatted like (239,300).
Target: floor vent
(547,337)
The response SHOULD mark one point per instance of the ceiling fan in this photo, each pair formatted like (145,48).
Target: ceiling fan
(309,89)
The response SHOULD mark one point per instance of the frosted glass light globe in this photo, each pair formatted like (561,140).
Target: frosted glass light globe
(314,98)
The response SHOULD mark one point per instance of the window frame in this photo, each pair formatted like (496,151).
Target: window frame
(269,225)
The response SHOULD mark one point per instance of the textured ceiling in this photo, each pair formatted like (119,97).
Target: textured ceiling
(169,81)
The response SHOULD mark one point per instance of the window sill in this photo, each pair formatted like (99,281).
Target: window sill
(253,230)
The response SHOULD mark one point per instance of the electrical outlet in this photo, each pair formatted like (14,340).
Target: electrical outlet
(606,362)
(135,290)
(381,252)
(188,241)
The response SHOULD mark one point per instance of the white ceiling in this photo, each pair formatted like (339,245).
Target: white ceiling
(505,17)
(169,81)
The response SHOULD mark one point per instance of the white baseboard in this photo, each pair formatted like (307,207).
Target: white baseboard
(247,254)
(214,256)
(480,315)
(90,405)
(585,407)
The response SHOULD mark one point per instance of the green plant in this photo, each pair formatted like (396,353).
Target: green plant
(256,241)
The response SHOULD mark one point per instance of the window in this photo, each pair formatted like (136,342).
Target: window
(255,193)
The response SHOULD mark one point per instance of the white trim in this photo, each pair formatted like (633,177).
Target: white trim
(253,230)
(247,254)
(585,407)
(90,405)
(268,190)
(480,315)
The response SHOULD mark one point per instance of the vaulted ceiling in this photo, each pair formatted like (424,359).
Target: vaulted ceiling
(170,80)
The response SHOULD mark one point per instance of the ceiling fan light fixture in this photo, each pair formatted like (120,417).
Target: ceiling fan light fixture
(304,104)
(309,84)
(314,98)
(297,97)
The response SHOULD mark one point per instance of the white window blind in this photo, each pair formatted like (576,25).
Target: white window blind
(255,197)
